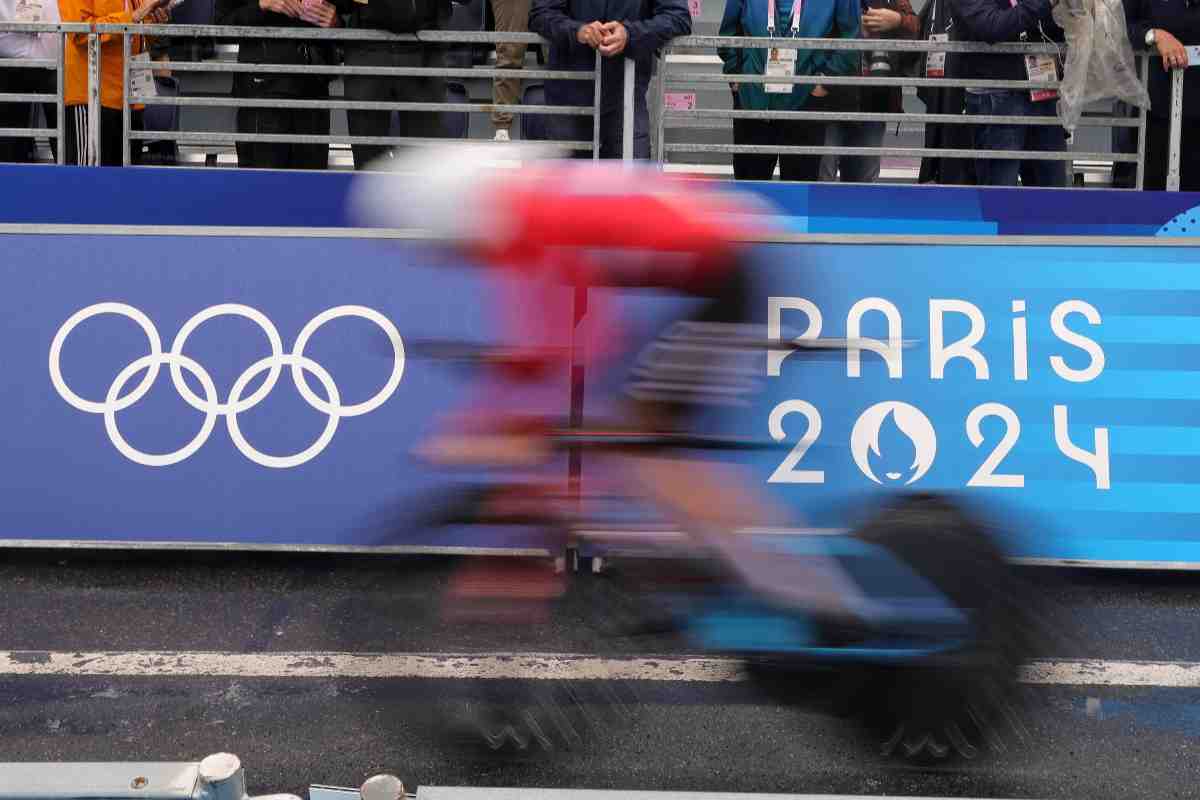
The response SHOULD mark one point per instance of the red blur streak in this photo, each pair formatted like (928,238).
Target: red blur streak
(516,591)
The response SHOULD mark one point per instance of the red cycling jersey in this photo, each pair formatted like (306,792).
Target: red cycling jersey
(566,224)
(600,225)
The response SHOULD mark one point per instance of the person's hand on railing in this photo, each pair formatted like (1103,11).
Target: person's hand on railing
(289,8)
(319,13)
(614,39)
(591,34)
(1174,54)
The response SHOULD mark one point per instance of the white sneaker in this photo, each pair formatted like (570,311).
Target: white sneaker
(502,136)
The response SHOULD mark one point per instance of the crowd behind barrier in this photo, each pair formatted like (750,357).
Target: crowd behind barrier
(814,104)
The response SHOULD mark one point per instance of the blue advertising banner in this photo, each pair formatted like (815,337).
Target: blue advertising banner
(211,386)
(264,198)
(1053,386)
(251,390)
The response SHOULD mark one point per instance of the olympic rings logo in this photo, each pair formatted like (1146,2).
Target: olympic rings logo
(235,404)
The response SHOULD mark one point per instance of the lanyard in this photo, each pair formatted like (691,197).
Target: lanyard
(797,6)
(1041,30)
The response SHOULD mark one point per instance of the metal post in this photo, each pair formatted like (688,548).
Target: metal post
(1176,130)
(382,787)
(627,111)
(125,89)
(1141,152)
(222,777)
(596,112)
(660,133)
(62,107)
(93,130)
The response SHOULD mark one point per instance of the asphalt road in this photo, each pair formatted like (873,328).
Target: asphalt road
(1081,742)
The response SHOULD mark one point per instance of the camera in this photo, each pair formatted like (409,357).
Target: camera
(880,63)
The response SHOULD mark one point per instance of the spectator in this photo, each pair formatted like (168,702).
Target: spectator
(1167,26)
(580,29)
(995,21)
(814,19)
(27,80)
(112,68)
(885,19)
(936,25)
(512,16)
(403,17)
(268,86)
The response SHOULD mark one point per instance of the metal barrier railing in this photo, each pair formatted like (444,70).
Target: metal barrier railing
(130,67)
(217,777)
(1176,134)
(56,134)
(667,76)
(336,35)
(860,45)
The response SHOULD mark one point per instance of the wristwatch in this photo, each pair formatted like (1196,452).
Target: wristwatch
(1151,37)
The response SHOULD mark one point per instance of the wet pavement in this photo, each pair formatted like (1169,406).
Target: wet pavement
(1078,742)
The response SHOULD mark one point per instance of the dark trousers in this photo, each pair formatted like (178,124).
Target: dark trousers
(948,171)
(20,149)
(1124,140)
(272,155)
(612,131)
(790,133)
(1158,141)
(612,111)
(1048,138)
(376,89)
(78,145)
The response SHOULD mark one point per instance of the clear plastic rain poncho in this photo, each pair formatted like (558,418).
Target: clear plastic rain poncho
(1100,63)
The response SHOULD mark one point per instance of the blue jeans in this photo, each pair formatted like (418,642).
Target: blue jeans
(1049,138)
(854,169)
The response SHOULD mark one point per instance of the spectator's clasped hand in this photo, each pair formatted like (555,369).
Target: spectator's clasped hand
(288,8)
(319,12)
(152,12)
(314,12)
(610,38)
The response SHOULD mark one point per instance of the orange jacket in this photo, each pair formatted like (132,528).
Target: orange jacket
(75,51)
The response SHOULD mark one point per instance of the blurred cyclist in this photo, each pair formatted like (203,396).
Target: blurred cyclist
(552,223)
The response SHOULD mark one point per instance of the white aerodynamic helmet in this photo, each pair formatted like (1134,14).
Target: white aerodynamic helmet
(437,190)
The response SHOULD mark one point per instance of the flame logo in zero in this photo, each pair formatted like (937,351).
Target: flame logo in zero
(908,421)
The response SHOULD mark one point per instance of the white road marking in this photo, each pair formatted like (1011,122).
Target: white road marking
(489,793)
(1178,674)
(458,666)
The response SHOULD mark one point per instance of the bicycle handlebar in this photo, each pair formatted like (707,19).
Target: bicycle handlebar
(479,354)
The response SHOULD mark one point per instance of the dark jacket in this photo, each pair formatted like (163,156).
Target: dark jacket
(994,21)
(375,15)
(650,23)
(274,51)
(1174,17)
(936,17)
